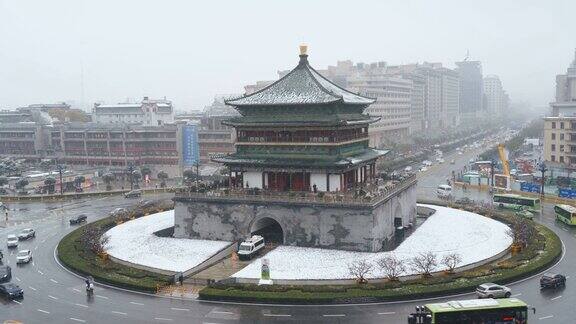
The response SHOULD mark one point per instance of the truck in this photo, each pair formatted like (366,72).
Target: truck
(251,247)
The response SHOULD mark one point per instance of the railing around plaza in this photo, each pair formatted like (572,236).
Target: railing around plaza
(366,195)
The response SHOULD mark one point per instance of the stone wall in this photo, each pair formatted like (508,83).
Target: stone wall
(336,226)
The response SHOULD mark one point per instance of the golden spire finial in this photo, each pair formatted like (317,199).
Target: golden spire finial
(303,49)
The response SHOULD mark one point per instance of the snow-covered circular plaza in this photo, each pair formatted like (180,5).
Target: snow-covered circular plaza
(448,231)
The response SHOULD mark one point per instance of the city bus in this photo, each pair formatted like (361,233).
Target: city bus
(565,214)
(501,311)
(516,202)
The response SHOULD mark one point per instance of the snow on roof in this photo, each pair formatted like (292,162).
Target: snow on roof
(569,208)
(447,231)
(302,85)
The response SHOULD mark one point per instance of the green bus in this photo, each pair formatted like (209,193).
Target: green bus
(516,202)
(494,311)
(565,214)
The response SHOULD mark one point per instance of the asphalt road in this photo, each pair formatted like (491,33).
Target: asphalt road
(53,295)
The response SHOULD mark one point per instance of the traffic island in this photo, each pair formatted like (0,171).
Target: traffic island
(541,251)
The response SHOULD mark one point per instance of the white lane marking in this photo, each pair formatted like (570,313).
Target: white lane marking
(77,320)
(163,319)
(135,303)
(36,248)
(180,309)
(119,313)
(81,305)
(222,312)
(277,315)
(55,298)
(43,241)
(103,297)
(564,229)
(43,311)
(54,281)
(40,272)
(516,295)
(17,278)
(17,302)
(30,287)
(334,315)
(557,297)
(387,313)
(76,290)
(546,317)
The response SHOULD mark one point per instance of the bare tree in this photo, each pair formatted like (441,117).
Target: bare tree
(451,261)
(520,231)
(360,269)
(392,267)
(424,263)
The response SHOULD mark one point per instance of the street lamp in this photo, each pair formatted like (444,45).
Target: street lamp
(543,169)
(492,165)
(130,171)
(61,168)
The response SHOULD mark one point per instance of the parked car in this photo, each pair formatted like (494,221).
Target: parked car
(12,241)
(5,274)
(11,290)
(552,280)
(249,248)
(492,290)
(78,219)
(23,256)
(26,233)
(133,194)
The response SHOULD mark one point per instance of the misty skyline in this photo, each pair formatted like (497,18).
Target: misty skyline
(190,52)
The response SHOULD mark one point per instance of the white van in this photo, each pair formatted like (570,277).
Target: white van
(250,247)
(444,191)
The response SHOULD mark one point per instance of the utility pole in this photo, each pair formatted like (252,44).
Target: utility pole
(543,169)
(131,173)
(197,173)
(60,168)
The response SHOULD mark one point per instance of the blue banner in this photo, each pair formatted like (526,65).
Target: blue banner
(190,149)
(567,193)
(530,187)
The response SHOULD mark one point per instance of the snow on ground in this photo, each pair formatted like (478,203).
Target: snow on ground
(447,231)
(135,242)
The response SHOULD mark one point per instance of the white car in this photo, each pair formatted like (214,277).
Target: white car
(491,290)
(23,256)
(444,191)
(249,248)
(408,169)
(12,241)
(26,234)
(423,169)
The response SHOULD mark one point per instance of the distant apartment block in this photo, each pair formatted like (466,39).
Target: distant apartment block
(471,90)
(148,112)
(495,97)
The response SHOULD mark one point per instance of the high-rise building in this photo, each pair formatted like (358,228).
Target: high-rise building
(560,128)
(495,97)
(148,112)
(471,90)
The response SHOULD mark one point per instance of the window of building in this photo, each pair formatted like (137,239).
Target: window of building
(561,148)
(553,124)
(553,158)
(562,136)
(553,147)
(553,136)
(562,125)
(561,159)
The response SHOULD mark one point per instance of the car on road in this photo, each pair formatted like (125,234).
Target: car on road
(12,241)
(424,169)
(5,273)
(552,280)
(444,191)
(524,213)
(11,291)
(408,169)
(133,194)
(78,219)
(251,247)
(492,290)
(452,161)
(23,256)
(26,233)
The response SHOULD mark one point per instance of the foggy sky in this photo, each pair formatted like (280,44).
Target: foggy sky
(190,51)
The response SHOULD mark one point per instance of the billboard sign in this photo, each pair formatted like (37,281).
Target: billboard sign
(530,187)
(502,181)
(190,149)
(567,193)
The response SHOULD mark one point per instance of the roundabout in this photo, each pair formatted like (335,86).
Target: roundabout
(55,295)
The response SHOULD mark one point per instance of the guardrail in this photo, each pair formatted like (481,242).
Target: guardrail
(78,195)
(332,199)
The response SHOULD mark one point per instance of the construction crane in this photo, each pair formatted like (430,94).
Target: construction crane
(504,159)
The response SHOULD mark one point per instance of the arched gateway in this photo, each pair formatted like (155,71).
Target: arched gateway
(269,228)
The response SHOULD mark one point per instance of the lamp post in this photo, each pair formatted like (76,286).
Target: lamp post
(492,164)
(542,168)
(61,168)
(130,171)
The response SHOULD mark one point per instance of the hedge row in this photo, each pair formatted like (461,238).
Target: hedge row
(542,252)
(73,255)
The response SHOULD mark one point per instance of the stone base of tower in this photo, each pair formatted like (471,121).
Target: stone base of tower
(361,225)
